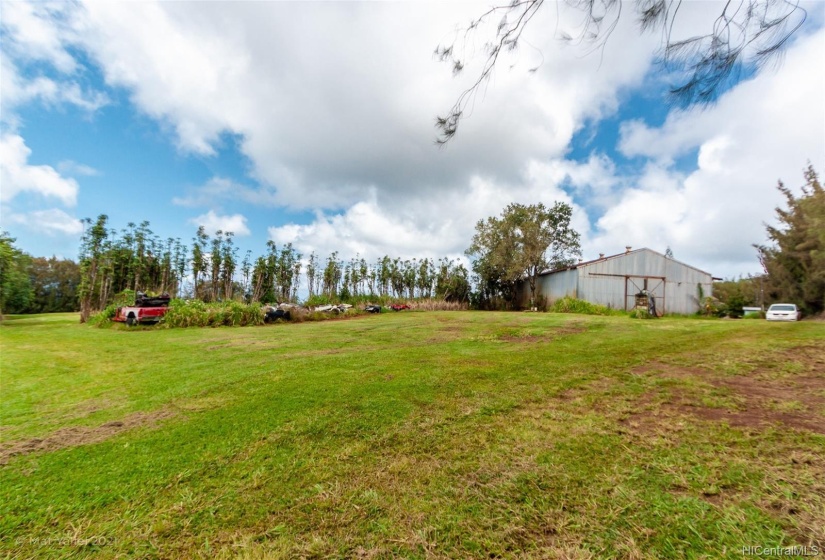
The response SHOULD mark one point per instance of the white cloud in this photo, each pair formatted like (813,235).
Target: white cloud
(434,227)
(763,130)
(52,222)
(342,105)
(69,167)
(17,176)
(17,90)
(33,32)
(333,106)
(36,37)
(212,222)
(218,190)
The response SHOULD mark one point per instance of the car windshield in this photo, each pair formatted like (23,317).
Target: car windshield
(782,308)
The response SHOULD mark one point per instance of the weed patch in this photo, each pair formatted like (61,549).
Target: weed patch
(573,305)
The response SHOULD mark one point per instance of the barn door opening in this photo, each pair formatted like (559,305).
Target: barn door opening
(654,286)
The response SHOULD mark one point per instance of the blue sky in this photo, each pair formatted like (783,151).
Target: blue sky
(311,123)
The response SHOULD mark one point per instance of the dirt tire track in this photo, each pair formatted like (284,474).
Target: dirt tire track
(82,435)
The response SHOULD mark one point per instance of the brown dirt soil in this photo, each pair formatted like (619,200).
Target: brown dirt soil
(795,401)
(547,336)
(82,435)
(811,356)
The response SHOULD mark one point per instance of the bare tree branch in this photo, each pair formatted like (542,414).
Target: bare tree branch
(746,32)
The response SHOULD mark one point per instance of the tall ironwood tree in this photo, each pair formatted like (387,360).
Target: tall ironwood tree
(795,263)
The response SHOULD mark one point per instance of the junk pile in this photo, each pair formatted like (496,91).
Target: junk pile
(281,311)
(286,311)
(334,309)
(142,300)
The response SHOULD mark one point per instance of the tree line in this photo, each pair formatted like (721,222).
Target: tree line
(135,259)
(35,284)
(507,252)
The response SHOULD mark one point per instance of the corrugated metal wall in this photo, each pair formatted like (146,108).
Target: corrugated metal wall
(606,282)
(615,280)
(553,286)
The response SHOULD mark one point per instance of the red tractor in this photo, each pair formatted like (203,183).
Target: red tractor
(146,310)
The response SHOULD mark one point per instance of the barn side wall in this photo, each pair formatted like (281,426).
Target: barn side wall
(604,282)
(551,287)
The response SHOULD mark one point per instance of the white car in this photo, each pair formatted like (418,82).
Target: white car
(783,312)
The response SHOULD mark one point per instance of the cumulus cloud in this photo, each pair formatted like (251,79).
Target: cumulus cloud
(763,130)
(337,117)
(212,222)
(432,227)
(52,222)
(217,190)
(33,32)
(335,114)
(17,176)
(36,38)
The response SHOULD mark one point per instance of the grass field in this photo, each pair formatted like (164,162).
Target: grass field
(414,435)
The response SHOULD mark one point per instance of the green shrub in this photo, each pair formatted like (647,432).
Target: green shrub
(640,314)
(573,305)
(757,316)
(126,297)
(318,299)
(195,313)
(104,317)
(712,307)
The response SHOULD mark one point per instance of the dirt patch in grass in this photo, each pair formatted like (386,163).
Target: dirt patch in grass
(811,356)
(82,435)
(446,334)
(547,336)
(793,401)
(757,418)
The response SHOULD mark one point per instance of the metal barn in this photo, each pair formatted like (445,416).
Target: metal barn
(615,281)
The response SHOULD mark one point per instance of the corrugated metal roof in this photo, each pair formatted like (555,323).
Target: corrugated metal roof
(585,263)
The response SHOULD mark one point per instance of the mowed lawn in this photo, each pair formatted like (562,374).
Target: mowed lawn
(413,435)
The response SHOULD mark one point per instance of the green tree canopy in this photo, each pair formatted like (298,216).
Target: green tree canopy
(795,264)
(15,286)
(520,244)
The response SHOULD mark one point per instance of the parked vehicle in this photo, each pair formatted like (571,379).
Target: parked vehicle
(783,312)
(145,310)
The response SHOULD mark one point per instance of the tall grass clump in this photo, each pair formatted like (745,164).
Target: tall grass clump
(195,313)
(438,305)
(639,313)
(573,305)
(103,318)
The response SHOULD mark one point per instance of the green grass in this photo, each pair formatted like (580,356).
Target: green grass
(415,435)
